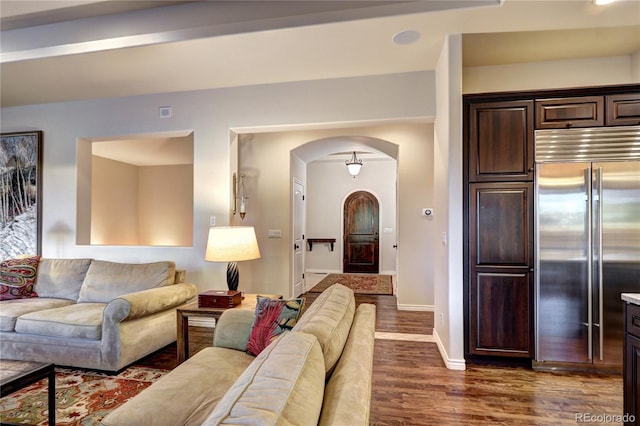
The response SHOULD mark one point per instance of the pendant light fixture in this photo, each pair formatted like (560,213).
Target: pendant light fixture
(354,165)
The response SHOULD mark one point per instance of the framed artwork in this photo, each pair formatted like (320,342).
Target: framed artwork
(20,194)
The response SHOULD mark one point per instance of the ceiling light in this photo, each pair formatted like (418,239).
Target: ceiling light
(354,165)
(406,37)
(602,2)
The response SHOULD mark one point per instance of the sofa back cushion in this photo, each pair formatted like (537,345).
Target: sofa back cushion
(347,395)
(283,385)
(61,278)
(106,281)
(329,318)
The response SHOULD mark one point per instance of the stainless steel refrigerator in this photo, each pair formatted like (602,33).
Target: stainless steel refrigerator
(587,242)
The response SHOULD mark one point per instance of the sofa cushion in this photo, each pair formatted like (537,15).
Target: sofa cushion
(10,310)
(79,320)
(61,278)
(347,395)
(272,318)
(283,385)
(17,278)
(329,318)
(107,280)
(187,394)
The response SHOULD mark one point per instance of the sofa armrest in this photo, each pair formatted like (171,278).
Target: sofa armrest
(233,329)
(146,302)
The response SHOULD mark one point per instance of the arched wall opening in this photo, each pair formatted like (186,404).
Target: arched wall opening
(273,158)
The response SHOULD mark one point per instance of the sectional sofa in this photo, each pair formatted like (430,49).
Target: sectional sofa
(94,314)
(320,372)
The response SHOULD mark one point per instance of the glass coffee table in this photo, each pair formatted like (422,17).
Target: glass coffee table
(15,375)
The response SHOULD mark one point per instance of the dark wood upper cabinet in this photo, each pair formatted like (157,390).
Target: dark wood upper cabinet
(623,110)
(562,113)
(501,141)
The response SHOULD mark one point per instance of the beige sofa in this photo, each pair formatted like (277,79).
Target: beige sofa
(94,314)
(319,373)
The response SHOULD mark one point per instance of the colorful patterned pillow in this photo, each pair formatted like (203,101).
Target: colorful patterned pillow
(17,278)
(273,317)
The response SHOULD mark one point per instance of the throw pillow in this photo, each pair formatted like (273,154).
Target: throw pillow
(272,318)
(17,278)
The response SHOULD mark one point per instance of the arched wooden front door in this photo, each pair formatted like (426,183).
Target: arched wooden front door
(361,221)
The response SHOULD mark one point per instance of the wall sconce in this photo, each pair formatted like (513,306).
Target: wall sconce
(354,165)
(239,194)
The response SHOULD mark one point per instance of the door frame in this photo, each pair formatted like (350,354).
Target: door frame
(294,215)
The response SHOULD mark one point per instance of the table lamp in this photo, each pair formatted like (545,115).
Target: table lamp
(232,244)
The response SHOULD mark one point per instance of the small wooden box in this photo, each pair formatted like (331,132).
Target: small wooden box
(219,299)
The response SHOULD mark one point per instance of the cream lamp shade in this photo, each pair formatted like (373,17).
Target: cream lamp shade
(232,244)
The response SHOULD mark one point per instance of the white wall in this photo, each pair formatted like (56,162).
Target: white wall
(210,115)
(449,315)
(165,201)
(552,74)
(264,156)
(114,202)
(328,186)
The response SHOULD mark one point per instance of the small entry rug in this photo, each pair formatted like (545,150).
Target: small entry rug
(82,397)
(359,283)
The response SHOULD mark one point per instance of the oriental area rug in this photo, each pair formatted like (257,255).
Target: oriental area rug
(82,397)
(359,283)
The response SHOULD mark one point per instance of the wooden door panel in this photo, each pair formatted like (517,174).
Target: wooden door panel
(501,224)
(501,141)
(561,113)
(502,315)
(361,224)
(623,110)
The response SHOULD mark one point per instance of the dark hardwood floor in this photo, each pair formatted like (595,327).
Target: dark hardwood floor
(412,386)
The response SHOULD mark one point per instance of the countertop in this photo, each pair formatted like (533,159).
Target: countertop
(631,298)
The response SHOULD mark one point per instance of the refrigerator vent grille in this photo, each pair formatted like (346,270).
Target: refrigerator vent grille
(588,144)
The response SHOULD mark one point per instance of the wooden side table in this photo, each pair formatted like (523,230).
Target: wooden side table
(193,310)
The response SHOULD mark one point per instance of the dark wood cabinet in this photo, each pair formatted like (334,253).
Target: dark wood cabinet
(501,141)
(623,110)
(632,364)
(499,218)
(560,113)
(501,310)
(501,277)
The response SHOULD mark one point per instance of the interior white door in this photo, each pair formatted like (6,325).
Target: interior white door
(298,238)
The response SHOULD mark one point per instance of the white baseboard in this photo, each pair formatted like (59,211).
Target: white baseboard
(451,364)
(422,308)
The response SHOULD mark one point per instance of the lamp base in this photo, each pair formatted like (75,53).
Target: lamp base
(233,277)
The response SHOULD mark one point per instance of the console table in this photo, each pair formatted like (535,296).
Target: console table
(330,241)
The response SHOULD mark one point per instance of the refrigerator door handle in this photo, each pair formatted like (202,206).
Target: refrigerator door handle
(587,181)
(599,184)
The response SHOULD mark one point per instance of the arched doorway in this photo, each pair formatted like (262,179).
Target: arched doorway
(361,233)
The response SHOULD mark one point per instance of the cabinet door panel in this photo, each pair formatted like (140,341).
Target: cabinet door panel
(501,311)
(632,377)
(501,141)
(623,110)
(584,111)
(501,224)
